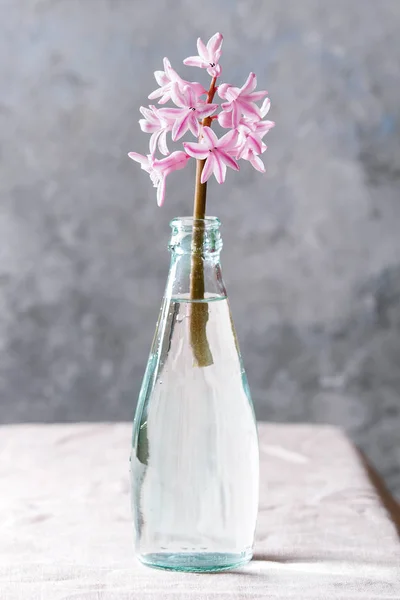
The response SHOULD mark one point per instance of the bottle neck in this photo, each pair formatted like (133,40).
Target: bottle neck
(200,236)
(195,247)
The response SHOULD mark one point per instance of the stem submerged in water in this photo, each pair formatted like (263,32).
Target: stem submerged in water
(199,313)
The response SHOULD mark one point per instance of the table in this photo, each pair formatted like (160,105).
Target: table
(65,531)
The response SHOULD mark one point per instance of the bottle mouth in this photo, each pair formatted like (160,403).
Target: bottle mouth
(189,223)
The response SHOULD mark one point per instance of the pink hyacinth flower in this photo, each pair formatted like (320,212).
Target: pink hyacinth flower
(217,153)
(191,110)
(159,169)
(225,119)
(252,132)
(254,159)
(166,78)
(208,55)
(155,123)
(241,101)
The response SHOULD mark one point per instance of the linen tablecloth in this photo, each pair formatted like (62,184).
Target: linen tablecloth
(65,525)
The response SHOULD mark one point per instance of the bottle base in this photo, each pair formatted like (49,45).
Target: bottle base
(198,562)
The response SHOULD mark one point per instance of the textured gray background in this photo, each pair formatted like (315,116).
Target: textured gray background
(311,256)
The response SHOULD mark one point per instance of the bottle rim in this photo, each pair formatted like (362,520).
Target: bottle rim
(189,223)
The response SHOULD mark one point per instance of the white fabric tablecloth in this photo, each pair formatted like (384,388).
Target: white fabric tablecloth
(65,528)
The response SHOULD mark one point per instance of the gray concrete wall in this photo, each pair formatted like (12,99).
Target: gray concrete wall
(311,255)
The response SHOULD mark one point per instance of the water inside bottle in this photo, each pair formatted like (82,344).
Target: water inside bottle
(195,459)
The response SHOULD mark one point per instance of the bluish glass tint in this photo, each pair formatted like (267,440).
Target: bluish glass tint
(194,462)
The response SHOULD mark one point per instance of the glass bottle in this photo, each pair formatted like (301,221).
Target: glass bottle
(194,460)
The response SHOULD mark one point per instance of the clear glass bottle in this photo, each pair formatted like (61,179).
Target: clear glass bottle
(194,461)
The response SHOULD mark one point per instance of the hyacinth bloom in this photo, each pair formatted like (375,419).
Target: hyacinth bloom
(208,56)
(158,126)
(248,131)
(225,119)
(166,79)
(250,134)
(159,169)
(194,111)
(241,101)
(190,110)
(217,153)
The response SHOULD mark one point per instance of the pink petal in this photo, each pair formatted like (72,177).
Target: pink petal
(195,61)
(225,119)
(205,110)
(172,74)
(155,94)
(236,114)
(250,109)
(202,50)
(165,98)
(257,163)
(154,110)
(240,148)
(217,54)
(198,88)
(247,125)
(161,78)
(167,67)
(228,160)
(195,150)
(254,144)
(219,168)
(178,96)
(208,168)
(193,124)
(223,89)
(265,106)
(146,112)
(263,127)
(180,126)
(214,44)
(180,158)
(190,95)
(162,143)
(169,113)
(148,127)
(143,160)
(175,161)
(153,142)
(210,138)
(255,96)
(161,191)
(250,84)
(228,140)
(240,152)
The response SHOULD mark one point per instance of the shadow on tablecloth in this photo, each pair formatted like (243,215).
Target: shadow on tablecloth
(391,505)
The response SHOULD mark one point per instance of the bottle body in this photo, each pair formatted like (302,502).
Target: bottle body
(194,462)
